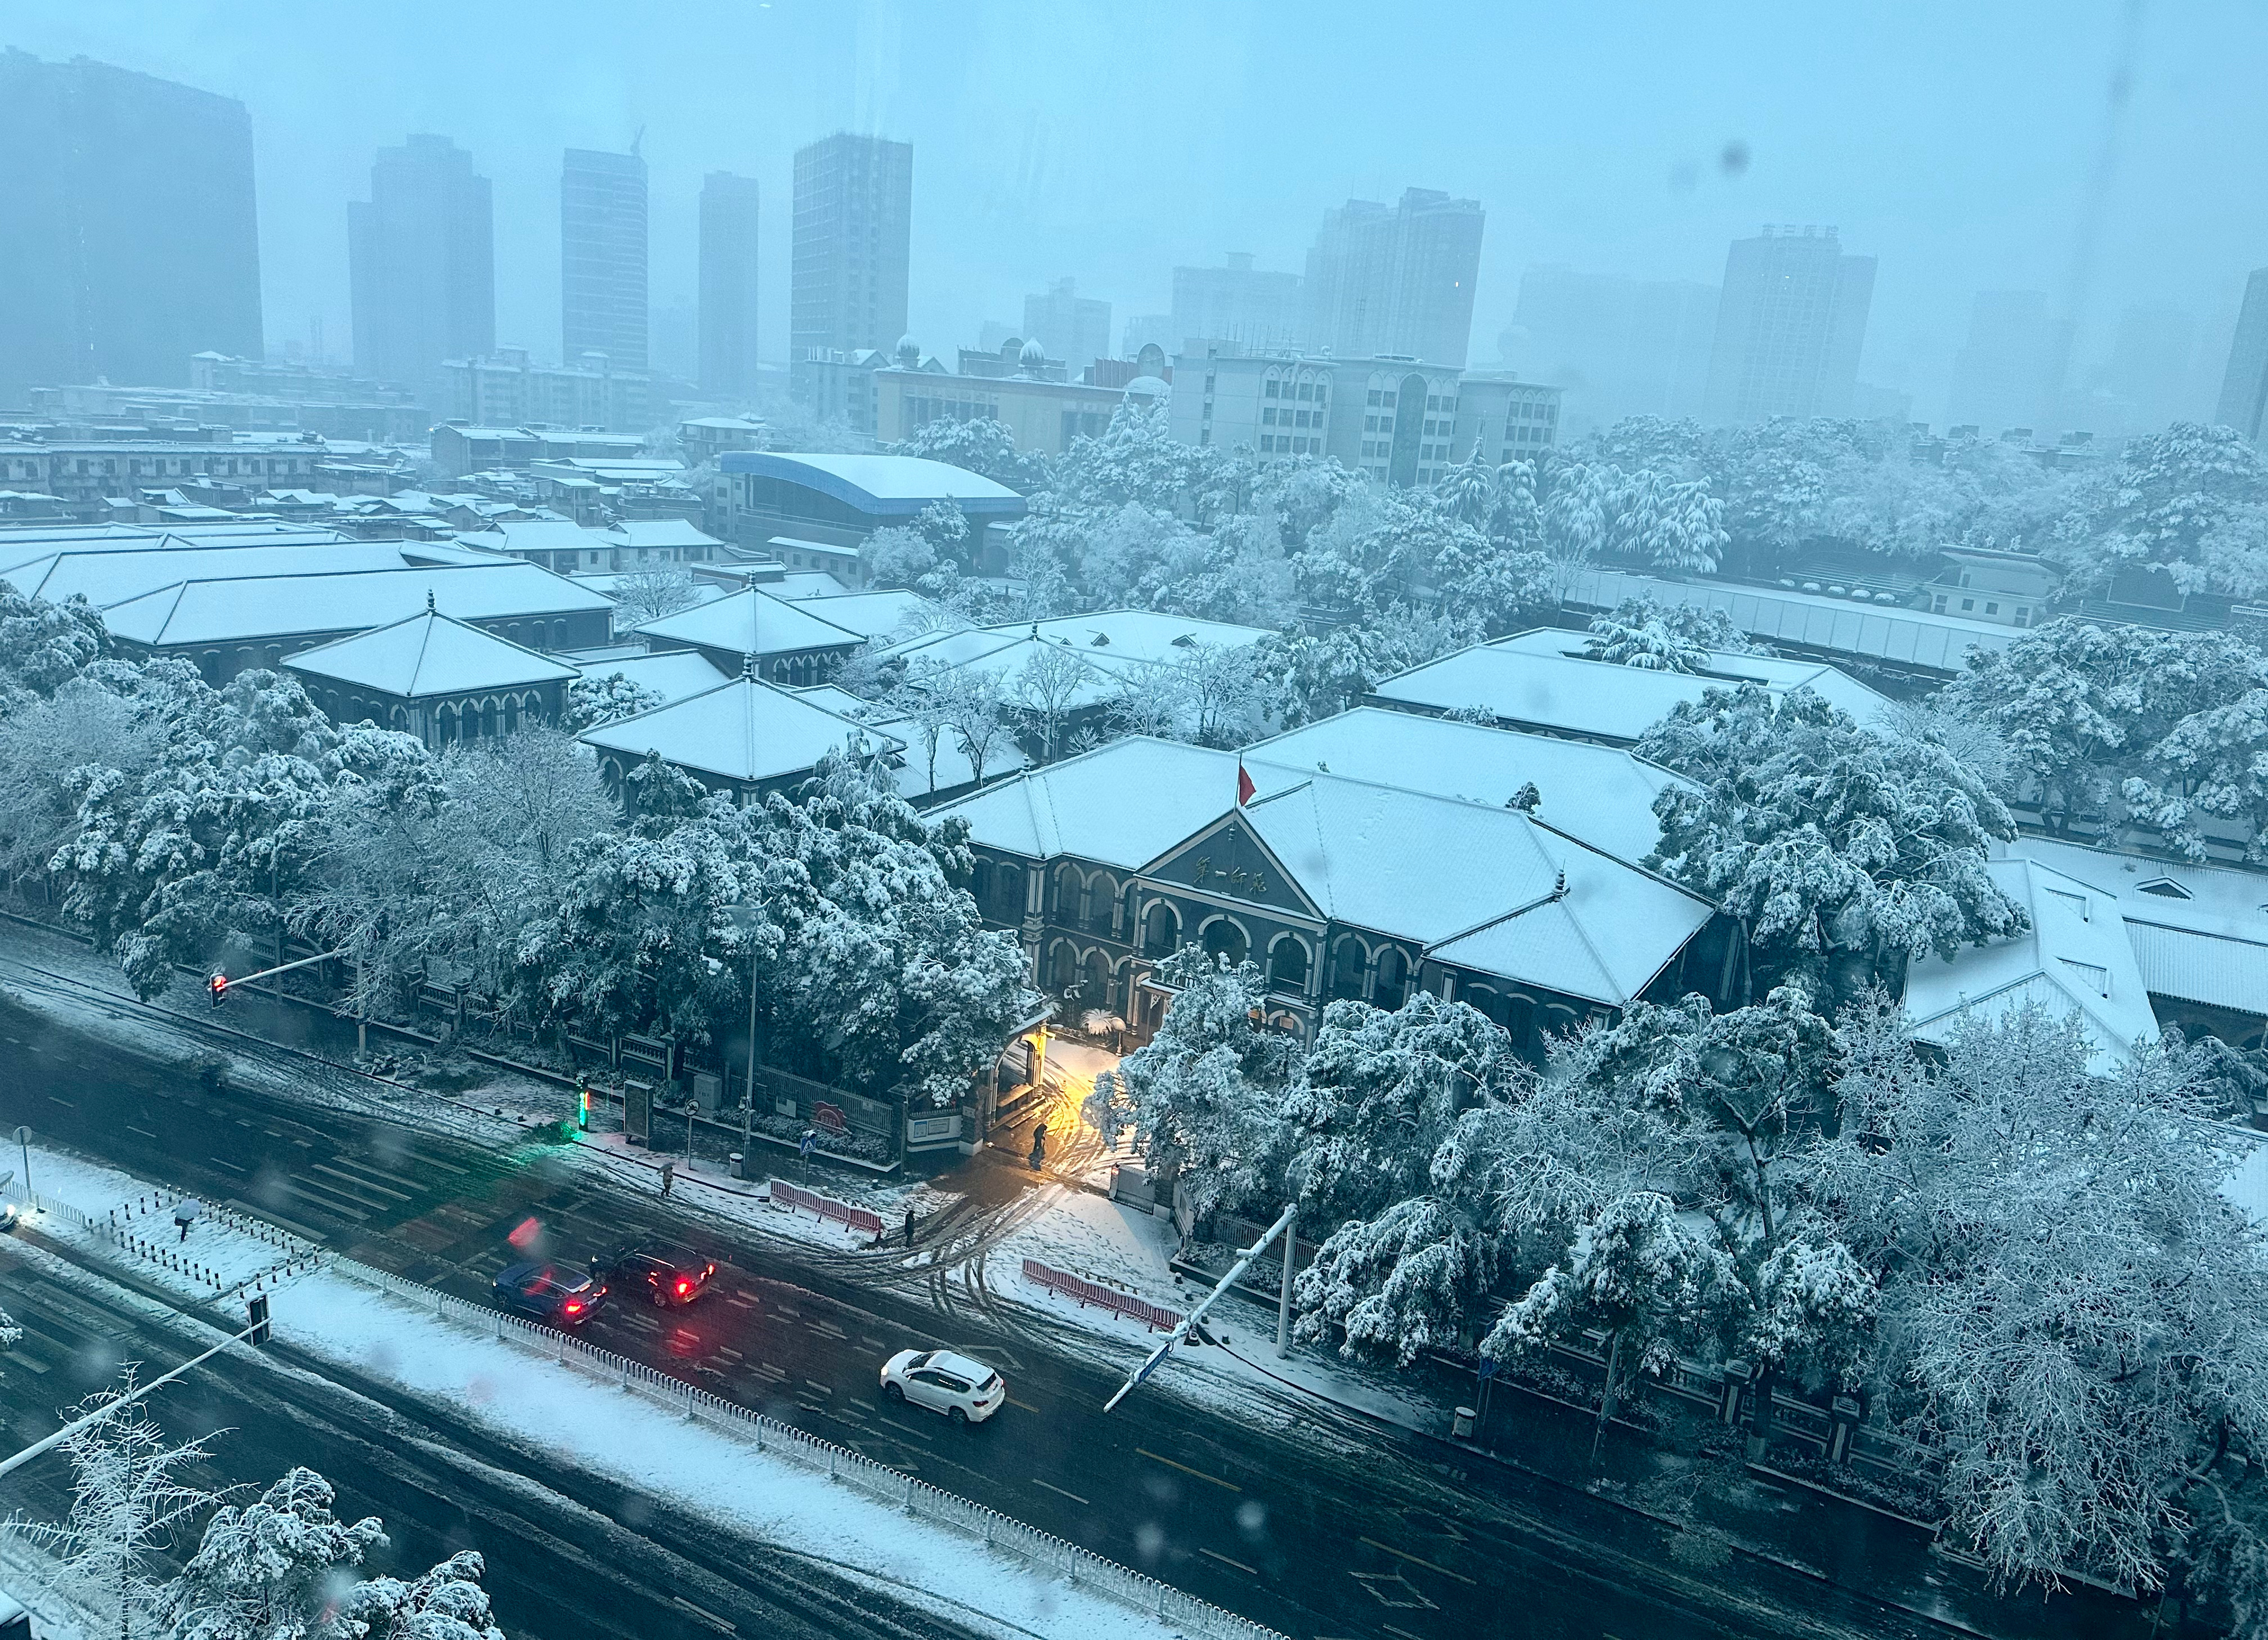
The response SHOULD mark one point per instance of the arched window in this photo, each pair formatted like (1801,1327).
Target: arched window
(445,724)
(1102,894)
(1008,891)
(512,714)
(980,884)
(1350,966)
(491,718)
(1392,987)
(1070,886)
(1287,964)
(1488,1003)
(1223,936)
(1162,931)
(1097,992)
(1063,967)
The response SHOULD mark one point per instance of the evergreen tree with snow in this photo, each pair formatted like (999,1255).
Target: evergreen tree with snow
(280,1569)
(1843,851)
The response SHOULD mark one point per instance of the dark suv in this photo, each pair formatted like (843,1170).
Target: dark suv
(668,1274)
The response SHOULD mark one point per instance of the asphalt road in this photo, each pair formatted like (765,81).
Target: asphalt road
(599,1565)
(1310,1519)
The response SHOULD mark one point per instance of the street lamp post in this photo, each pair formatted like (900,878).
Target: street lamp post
(743,918)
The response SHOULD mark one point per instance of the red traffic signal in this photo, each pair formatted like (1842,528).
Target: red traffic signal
(218,986)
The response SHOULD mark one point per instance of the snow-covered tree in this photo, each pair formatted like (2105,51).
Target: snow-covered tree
(281,1568)
(648,594)
(896,556)
(2083,710)
(43,645)
(1046,688)
(447,1603)
(945,527)
(1836,846)
(1574,514)
(2078,1316)
(1380,1094)
(592,701)
(2191,502)
(983,445)
(1635,1272)
(1205,1092)
(977,709)
(129,1494)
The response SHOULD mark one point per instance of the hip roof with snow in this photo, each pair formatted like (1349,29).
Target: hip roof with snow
(744,731)
(673,676)
(1603,795)
(426,655)
(751,622)
(2075,958)
(110,576)
(260,606)
(1543,680)
(1474,885)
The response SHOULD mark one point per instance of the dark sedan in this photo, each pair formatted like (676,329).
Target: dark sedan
(548,1292)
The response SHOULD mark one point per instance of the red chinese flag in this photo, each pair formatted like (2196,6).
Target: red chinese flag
(1244,786)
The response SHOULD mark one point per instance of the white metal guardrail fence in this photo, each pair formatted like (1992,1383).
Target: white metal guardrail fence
(917,1497)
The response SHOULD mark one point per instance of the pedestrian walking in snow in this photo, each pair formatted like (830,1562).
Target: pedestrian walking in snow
(185,1214)
(910,1227)
(668,1178)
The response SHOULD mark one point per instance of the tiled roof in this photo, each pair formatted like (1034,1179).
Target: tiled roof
(426,655)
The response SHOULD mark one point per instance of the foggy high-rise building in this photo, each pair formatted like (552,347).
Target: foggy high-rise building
(2244,387)
(1254,308)
(1072,327)
(602,258)
(1999,376)
(2148,365)
(128,236)
(1790,321)
(728,285)
(1394,281)
(854,206)
(421,263)
(1617,347)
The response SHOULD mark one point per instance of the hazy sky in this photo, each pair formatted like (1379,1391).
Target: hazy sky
(1954,141)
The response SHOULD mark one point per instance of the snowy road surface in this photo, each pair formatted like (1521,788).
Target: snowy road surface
(1287,1510)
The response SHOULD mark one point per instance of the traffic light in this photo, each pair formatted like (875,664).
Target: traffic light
(257,1308)
(583,1103)
(217,988)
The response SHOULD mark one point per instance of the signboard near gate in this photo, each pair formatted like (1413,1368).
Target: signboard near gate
(828,1116)
(637,1110)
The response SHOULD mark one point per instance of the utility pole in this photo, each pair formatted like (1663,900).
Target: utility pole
(1189,1322)
(1284,1298)
(132,1395)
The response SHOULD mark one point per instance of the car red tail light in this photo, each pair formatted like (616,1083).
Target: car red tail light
(683,1285)
(574,1307)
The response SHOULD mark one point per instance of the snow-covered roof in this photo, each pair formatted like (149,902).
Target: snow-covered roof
(876,614)
(673,676)
(1116,645)
(428,654)
(535,536)
(1542,680)
(651,533)
(109,577)
(260,607)
(953,766)
(1485,890)
(2075,959)
(798,585)
(1814,620)
(881,486)
(1141,634)
(750,622)
(743,730)
(1602,794)
(2199,933)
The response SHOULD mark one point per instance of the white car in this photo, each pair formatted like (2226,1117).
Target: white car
(966,1391)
